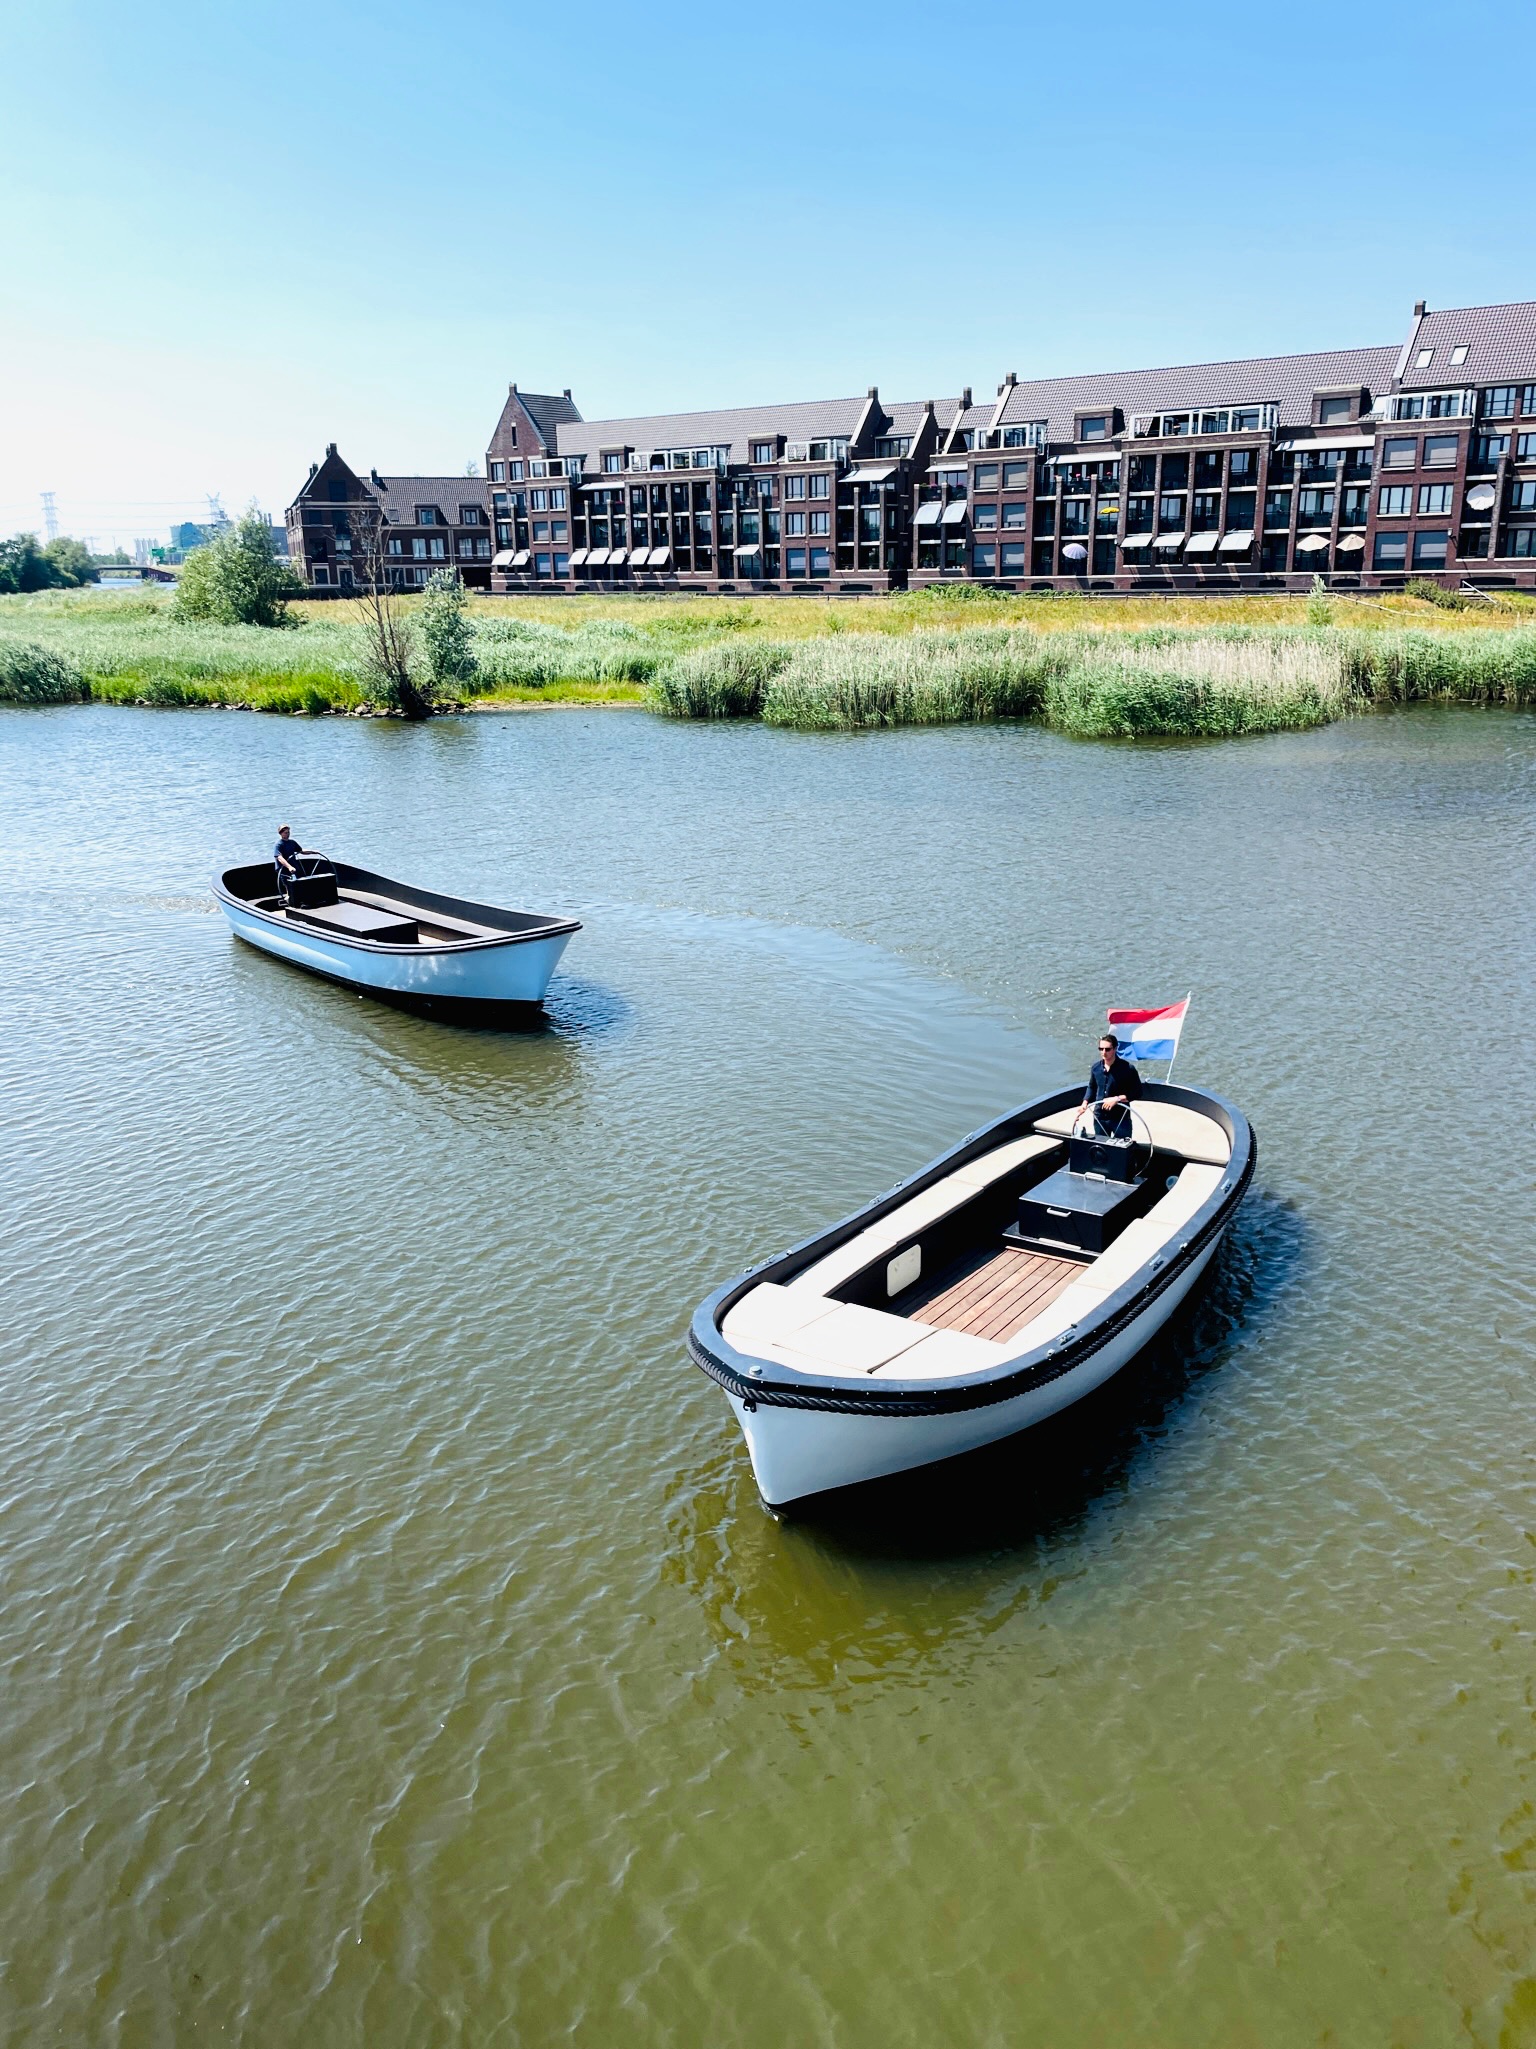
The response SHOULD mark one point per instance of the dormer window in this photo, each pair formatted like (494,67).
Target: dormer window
(1330,410)
(762,451)
(426,515)
(613,464)
(1093,427)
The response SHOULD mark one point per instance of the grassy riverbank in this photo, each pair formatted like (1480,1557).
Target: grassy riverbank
(1088,667)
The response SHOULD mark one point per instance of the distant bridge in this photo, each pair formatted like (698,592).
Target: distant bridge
(146,572)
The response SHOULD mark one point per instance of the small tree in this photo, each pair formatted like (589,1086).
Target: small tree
(237,578)
(447,631)
(70,563)
(1319,604)
(23,565)
(389,666)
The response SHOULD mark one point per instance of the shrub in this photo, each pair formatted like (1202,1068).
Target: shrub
(925,678)
(1319,604)
(30,674)
(236,579)
(446,632)
(726,681)
(1436,594)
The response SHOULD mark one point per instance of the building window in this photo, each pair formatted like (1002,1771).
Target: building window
(1394,501)
(557,501)
(894,445)
(1314,508)
(503,533)
(1042,560)
(984,516)
(1459,353)
(1499,402)
(794,561)
(762,451)
(1277,508)
(984,561)
(1357,506)
(1434,497)
(1440,450)
(541,565)
(1095,427)
(1170,514)
(1489,448)
(426,515)
(1074,515)
(1399,455)
(985,478)
(1138,516)
(1045,516)
(1015,476)
(1175,472)
(1520,540)
(1430,550)
(419,550)
(498,473)
(514,473)
(437,547)
(1522,495)
(541,530)
(1391,552)
(1015,512)
(471,515)
(1013,558)
(1423,359)
(821,522)
(1241,464)
(1206,511)
(562,565)
(794,487)
(794,523)
(1332,409)
(395,546)
(613,465)
(821,562)
(322,574)
(1272,554)
(821,485)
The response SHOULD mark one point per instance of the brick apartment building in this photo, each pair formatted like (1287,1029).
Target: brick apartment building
(1364,466)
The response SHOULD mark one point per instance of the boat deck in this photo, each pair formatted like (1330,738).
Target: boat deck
(990,1294)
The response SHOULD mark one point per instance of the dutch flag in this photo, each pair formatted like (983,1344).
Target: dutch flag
(1149,1034)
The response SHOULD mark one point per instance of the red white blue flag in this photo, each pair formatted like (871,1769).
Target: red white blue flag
(1149,1034)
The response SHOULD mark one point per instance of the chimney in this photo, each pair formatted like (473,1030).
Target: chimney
(566,393)
(512,390)
(314,469)
(330,448)
(873,392)
(965,396)
(1419,309)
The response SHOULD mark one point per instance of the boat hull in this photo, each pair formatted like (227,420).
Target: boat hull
(515,972)
(797,1453)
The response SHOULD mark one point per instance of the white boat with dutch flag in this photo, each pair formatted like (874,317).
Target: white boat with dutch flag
(992,1289)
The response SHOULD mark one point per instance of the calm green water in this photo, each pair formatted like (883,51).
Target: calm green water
(394,1650)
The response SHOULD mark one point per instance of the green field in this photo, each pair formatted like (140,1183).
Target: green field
(1090,667)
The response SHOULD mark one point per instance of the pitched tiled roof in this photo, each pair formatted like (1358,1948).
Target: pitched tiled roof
(736,426)
(1286,381)
(402,495)
(549,414)
(1500,342)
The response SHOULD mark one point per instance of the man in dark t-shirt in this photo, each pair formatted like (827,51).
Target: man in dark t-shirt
(285,859)
(1113,1084)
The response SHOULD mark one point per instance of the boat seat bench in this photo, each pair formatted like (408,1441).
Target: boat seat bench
(1171,1127)
(802,1326)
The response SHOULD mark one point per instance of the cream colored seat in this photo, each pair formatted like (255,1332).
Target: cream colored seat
(1171,1127)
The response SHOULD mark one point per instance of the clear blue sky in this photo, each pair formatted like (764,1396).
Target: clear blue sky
(236,232)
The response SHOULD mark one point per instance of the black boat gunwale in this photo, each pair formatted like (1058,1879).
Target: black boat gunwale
(745,1378)
(530,925)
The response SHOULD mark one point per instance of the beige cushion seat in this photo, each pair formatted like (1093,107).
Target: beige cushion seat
(1170,1126)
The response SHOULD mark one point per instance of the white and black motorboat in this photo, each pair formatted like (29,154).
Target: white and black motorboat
(999,1285)
(389,939)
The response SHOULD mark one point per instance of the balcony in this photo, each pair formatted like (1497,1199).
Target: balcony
(1216,420)
(1432,405)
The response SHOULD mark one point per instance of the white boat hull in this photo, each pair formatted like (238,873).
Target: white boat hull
(799,1452)
(515,971)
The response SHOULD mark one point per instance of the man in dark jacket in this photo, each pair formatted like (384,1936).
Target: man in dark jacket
(1113,1085)
(285,859)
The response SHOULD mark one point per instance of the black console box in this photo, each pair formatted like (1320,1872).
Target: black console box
(311,892)
(1070,1212)
(1111,1157)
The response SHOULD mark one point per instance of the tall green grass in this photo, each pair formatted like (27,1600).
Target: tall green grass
(30,674)
(726,681)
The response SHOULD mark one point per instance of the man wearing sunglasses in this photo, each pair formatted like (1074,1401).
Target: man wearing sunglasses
(1113,1085)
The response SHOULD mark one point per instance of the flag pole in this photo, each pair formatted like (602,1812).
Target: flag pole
(1184,1020)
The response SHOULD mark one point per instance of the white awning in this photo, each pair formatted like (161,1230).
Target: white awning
(616,557)
(1351,544)
(1481,498)
(871,473)
(661,558)
(1165,544)
(1235,542)
(1312,544)
(579,557)
(1202,544)
(747,554)
(522,558)
(594,557)
(929,514)
(956,512)
(501,558)
(1133,541)
(1329,441)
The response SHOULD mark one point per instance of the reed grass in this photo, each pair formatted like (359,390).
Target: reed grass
(1089,668)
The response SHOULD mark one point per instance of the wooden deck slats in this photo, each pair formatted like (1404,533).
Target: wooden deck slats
(994,1295)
